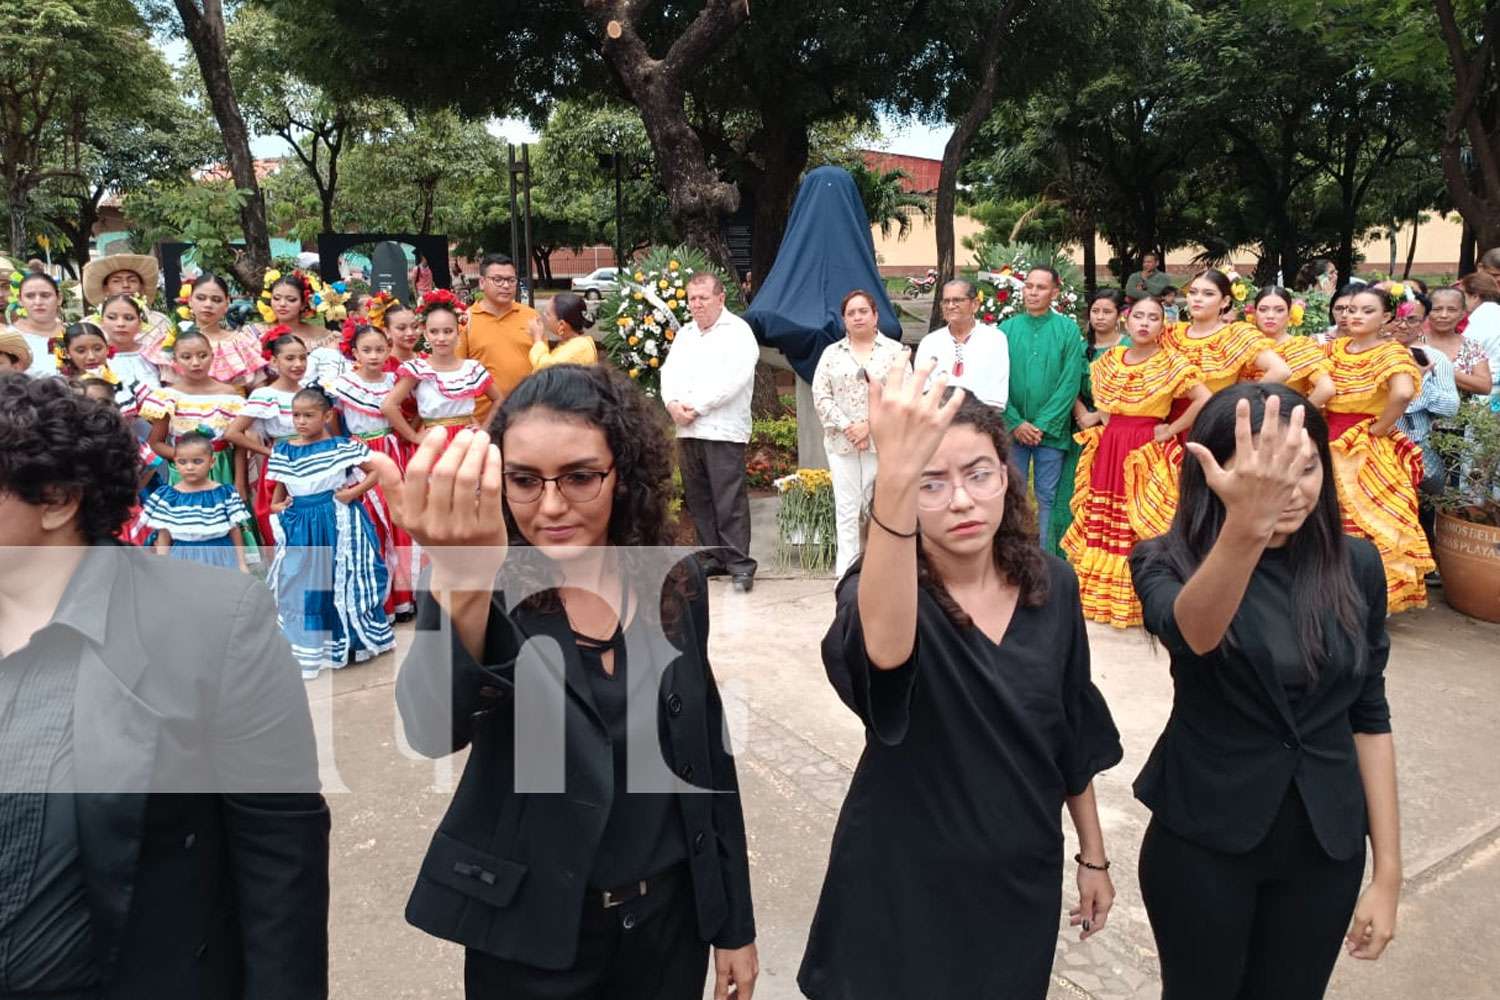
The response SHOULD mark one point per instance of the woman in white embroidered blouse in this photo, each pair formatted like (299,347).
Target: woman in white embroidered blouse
(841,396)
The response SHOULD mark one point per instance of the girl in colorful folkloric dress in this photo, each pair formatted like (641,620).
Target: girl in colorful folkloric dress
(444,384)
(1126,485)
(122,319)
(329,580)
(267,418)
(196,401)
(1376,467)
(357,396)
(1306,357)
(197,518)
(83,351)
(1223,351)
(236,353)
(402,327)
(292,301)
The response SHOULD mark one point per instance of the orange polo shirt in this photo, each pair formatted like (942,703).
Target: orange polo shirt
(501,344)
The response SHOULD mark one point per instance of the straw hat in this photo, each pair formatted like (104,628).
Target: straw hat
(96,272)
(12,342)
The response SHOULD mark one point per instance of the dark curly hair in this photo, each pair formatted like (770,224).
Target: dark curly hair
(602,397)
(54,441)
(1018,556)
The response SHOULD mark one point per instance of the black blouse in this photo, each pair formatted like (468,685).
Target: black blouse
(944,874)
(1248,721)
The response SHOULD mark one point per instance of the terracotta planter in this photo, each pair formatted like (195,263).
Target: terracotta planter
(1468,557)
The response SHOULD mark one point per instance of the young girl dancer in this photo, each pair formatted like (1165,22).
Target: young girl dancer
(135,530)
(1376,467)
(122,319)
(1127,476)
(327,575)
(444,384)
(196,401)
(357,396)
(37,320)
(289,304)
(267,417)
(1306,357)
(236,353)
(1224,352)
(197,518)
(404,328)
(83,351)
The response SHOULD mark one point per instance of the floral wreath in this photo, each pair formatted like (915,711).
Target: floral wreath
(380,304)
(59,348)
(441,298)
(271,335)
(310,287)
(13,294)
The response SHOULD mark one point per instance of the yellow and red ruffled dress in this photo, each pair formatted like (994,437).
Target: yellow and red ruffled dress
(1377,476)
(1308,361)
(1126,486)
(1222,359)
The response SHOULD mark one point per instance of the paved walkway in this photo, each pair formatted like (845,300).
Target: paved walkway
(798,746)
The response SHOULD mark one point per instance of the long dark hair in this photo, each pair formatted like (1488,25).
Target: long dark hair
(1017,554)
(600,396)
(1113,295)
(1324,591)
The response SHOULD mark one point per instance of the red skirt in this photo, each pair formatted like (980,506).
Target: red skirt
(1125,490)
(403,557)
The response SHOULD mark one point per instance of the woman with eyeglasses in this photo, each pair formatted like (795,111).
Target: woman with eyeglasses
(595,846)
(1376,467)
(961,646)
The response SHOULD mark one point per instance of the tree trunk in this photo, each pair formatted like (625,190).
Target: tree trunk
(1090,257)
(985,95)
(1478,198)
(785,157)
(1411,247)
(17,197)
(204,28)
(697,200)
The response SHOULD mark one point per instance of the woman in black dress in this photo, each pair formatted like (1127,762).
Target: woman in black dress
(549,643)
(962,647)
(1277,759)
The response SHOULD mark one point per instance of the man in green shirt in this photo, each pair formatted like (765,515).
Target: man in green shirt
(1148,280)
(1046,373)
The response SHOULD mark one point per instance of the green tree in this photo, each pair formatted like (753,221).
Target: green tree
(887,201)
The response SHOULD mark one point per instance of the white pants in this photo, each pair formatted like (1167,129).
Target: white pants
(853,479)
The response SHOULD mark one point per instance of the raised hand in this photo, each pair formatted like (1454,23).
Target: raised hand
(1261,477)
(450,502)
(906,423)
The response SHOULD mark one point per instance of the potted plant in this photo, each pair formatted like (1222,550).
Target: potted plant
(805,521)
(1468,521)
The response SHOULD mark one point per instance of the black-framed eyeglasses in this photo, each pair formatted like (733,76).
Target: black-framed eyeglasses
(577,486)
(500,279)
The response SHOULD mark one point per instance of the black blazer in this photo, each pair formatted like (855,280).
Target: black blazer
(220,893)
(1234,743)
(507,871)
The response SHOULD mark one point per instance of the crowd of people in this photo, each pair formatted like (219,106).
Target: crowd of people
(1245,495)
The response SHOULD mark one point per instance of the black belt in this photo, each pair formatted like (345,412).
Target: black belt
(620,895)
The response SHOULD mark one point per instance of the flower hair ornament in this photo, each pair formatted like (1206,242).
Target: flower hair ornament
(317,298)
(270,337)
(441,298)
(352,329)
(380,304)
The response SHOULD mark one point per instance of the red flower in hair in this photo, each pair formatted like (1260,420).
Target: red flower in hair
(271,335)
(441,298)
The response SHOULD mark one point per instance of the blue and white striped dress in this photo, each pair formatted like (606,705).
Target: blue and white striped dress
(201,523)
(329,580)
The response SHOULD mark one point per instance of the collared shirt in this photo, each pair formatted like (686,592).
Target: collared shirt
(1438,397)
(1138,285)
(983,355)
(841,397)
(1046,371)
(46,936)
(713,371)
(501,343)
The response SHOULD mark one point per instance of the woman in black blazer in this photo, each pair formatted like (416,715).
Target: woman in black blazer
(1277,758)
(595,846)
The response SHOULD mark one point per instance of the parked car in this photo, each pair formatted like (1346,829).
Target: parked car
(597,284)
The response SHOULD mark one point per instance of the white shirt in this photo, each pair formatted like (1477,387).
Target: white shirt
(1484,329)
(713,371)
(42,361)
(986,362)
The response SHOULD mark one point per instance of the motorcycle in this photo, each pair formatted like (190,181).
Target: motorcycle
(921,286)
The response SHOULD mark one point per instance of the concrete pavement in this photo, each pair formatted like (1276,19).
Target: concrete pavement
(797,747)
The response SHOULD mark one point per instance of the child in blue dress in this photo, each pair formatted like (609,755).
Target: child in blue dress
(197,518)
(329,580)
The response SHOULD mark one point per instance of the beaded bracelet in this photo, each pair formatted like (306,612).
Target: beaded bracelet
(1089,864)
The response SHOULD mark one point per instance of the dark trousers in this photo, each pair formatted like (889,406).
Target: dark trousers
(648,949)
(713,486)
(1263,925)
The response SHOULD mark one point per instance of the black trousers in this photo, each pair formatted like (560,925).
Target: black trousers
(648,949)
(713,486)
(1264,925)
